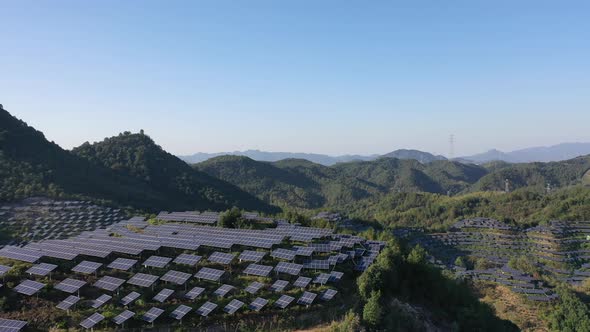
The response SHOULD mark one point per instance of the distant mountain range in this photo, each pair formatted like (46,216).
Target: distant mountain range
(557,152)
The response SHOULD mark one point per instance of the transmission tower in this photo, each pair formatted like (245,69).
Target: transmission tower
(506,185)
(451,146)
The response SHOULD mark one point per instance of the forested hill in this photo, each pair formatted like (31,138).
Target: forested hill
(301,183)
(30,166)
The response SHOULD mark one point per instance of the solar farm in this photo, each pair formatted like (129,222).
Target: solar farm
(137,274)
(559,250)
(42,219)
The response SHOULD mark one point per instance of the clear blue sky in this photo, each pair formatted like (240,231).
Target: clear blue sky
(314,76)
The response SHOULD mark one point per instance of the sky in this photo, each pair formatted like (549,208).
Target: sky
(333,77)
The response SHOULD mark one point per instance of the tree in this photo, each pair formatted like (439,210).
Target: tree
(417,255)
(459,262)
(372,312)
(570,314)
(230,218)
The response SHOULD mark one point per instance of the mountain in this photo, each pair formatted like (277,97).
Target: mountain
(129,169)
(304,184)
(276,156)
(423,157)
(557,152)
(300,183)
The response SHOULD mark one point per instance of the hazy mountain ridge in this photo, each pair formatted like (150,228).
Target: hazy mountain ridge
(557,152)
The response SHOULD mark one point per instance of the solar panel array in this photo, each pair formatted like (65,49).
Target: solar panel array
(157,261)
(221,258)
(67,303)
(288,268)
(206,308)
(41,269)
(123,317)
(252,256)
(233,306)
(123,264)
(307,298)
(254,287)
(70,285)
(194,293)
(101,300)
(209,274)
(11,325)
(187,259)
(258,270)
(180,311)
(29,287)
(176,277)
(87,267)
(284,301)
(129,298)
(101,243)
(163,295)
(258,304)
(91,321)
(151,315)
(109,283)
(223,290)
(279,285)
(143,280)
(4,269)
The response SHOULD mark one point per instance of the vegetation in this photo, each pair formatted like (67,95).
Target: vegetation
(129,170)
(302,184)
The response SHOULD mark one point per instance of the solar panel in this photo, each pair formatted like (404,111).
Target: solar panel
(302,282)
(151,315)
(66,304)
(328,294)
(317,264)
(206,308)
(123,264)
(194,293)
(70,285)
(254,287)
(4,269)
(11,325)
(29,287)
(20,254)
(163,295)
(180,312)
(157,261)
(41,269)
(129,298)
(187,259)
(123,317)
(233,306)
(221,258)
(109,283)
(258,304)
(289,268)
(283,254)
(94,319)
(101,300)
(303,251)
(223,290)
(142,280)
(322,278)
(335,276)
(176,277)
(279,285)
(209,274)
(87,267)
(252,256)
(258,270)
(307,298)
(284,301)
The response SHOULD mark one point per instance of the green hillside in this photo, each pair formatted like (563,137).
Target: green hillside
(303,184)
(128,170)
